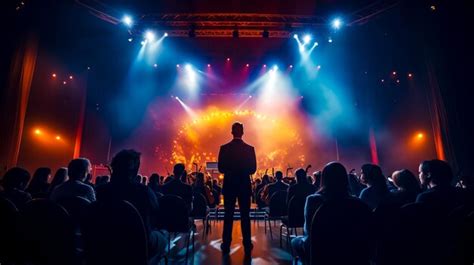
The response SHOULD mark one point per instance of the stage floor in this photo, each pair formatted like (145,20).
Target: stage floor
(207,251)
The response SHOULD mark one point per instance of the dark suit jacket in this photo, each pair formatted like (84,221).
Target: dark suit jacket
(237,162)
(178,188)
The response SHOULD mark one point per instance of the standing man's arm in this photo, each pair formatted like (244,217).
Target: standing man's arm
(252,162)
(222,161)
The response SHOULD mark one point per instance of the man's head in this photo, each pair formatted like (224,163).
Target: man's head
(237,129)
(78,169)
(125,165)
(440,173)
(178,170)
(279,175)
(423,172)
(301,175)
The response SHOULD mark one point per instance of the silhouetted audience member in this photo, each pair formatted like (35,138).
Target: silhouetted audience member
(88,180)
(14,182)
(201,188)
(377,190)
(440,194)
(271,188)
(265,181)
(154,183)
(175,186)
(39,185)
(75,187)
(302,188)
(125,165)
(355,187)
(59,178)
(423,171)
(334,186)
(407,186)
(216,191)
(317,179)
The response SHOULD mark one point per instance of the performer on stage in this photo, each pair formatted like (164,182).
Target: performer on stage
(237,162)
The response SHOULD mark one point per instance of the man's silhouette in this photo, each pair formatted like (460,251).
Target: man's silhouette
(237,162)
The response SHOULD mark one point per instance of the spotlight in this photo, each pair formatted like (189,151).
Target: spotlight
(37,131)
(149,36)
(247,65)
(330,40)
(188,67)
(165,34)
(155,65)
(53,75)
(58,137)
(127,20)
(398,81)
(306,38)
(410,75)
(264,65)
(228,59)
(130,39)
(250,96)
(143,42)
(208,65)
(291,66)
(295,36)
(336,23)
(178,66)
(70,77)
(316,44)
(420,135)
(64,82)
(394,73)
(383,80)
(275,68)
(319,67)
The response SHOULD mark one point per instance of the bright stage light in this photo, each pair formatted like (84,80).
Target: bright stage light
(165,34)
(58,137)
(149,35)
(71,77)
(295,36)
(275,67)
(208,65)
(130,39)
(307,39)
(188,67)
(420,136)
(228,59)
(410,75)
(155,65)
(53,75)
(38,132)
(127,20)
(316,44)
(264,65)
(330,40)
(336,23)
(301,48)
(291,66)
(247,65)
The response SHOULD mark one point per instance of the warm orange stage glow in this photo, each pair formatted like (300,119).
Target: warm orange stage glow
(58,137)
(420,136)
(37,131)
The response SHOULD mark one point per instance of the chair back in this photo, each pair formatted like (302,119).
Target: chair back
(114,233)
(277,205)
(47,233)
(8,231)
(296,211)
(173,214)
(423,230)
(77,208)
(200,208)
(339,233)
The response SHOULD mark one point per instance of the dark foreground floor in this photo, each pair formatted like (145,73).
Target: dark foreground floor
(207,251)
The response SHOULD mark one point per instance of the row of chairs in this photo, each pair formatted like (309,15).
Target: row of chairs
(348,232)
(45,232)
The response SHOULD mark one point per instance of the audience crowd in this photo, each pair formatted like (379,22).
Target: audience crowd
(435,188)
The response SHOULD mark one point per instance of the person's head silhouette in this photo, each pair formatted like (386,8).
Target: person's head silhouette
(301,176)
(178,170)
(279,175)
(237,130)
(125,165)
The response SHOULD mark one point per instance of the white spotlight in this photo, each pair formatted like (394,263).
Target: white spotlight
(336,23)
(165,34)
(295,36)
(275,67)
(316,44)
(307,38)
(149,35)
(127,20)
(188,67)
(330,40)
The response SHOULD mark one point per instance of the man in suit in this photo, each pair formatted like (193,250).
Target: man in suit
(176,187)
(271,188)
(237,162)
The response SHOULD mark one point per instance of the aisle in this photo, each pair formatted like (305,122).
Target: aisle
(208,251)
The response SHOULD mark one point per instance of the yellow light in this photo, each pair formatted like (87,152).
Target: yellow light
(37,131)
(420,135)
(58,137)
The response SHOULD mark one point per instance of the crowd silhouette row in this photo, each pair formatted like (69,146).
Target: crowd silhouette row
(346,218)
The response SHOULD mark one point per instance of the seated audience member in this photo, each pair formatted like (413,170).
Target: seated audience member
(88,180)
(271,188)
(199,187)
(355,187)
(441,194)
(162,180)
(317,179)
(154,183)
(263,183)
(59,178)
(407,186)
(39,185)
(334,186)
(423,171)
(14,182)
(216,191)
(302,188)
(75,187)
(125,165)
(377,190)
(175,186)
